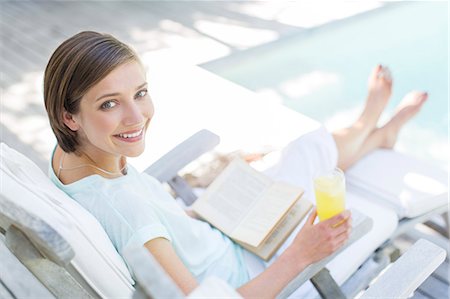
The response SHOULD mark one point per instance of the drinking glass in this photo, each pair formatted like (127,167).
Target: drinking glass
(330,193)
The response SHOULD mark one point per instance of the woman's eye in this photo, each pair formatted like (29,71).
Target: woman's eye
(141,93)
(108,105)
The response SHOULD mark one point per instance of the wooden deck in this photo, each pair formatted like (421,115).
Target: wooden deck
(31,30)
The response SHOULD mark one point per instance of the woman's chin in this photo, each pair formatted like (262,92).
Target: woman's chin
(135,152)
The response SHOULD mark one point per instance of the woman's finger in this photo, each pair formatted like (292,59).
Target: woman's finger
(312,216)
(343,227)
(337,220)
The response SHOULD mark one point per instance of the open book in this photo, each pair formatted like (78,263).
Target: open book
(251,208)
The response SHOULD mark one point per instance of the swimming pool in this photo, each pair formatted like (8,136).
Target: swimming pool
(323,71)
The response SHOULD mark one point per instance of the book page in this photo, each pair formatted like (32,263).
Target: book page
(266,213)
(282,231)
(231,196)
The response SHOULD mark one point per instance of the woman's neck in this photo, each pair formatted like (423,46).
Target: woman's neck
(71,167)
(102,163)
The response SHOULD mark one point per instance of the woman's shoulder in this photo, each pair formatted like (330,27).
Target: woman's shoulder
(62,175)
(68,171)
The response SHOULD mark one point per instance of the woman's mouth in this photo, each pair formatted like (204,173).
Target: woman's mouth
(131,136)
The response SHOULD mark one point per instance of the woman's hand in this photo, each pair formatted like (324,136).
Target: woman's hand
(312,243)
(317,241)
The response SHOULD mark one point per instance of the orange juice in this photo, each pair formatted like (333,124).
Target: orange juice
(330,194)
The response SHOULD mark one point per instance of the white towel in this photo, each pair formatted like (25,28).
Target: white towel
(409,185)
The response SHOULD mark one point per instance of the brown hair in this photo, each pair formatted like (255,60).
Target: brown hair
(76,65)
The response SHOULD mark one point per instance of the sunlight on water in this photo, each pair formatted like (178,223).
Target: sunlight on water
(323,72)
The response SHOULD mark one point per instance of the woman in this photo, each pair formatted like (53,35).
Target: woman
(96,97)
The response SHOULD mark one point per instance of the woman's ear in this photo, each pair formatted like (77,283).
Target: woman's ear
(70,122)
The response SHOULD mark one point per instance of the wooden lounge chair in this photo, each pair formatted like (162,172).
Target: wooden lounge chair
(58,240)
(66,249)
(50,280)
(167,168)
(247,121)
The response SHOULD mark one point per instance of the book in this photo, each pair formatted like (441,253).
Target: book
(251,208)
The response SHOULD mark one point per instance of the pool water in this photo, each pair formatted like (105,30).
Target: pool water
(322,72)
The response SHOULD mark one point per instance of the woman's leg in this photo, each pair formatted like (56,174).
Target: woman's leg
(351,139)
(386,136)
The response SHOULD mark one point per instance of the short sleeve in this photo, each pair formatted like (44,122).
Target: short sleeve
(129,219)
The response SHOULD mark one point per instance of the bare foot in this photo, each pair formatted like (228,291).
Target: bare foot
(408,108)
(380,90)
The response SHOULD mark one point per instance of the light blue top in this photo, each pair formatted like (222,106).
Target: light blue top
(135,208)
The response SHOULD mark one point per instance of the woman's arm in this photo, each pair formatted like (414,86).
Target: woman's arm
(311,244)
(166,256)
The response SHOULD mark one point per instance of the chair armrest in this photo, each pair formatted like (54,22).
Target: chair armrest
(44,252)
(153,282)
(18,281)
(359,229)
(408,272)
(43,236)
(151,279)
(167,167)
(213,287)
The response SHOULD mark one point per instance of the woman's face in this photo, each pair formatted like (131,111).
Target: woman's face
(115,113)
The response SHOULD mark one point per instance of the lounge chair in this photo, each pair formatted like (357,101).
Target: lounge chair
(388,199)
(51,247)
(229,111)
(27,192)
(66,249)
(36,213)
(247,121)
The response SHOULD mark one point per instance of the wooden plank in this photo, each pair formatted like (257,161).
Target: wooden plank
(41,17)
(17,53)
(443,272)
(25,14)
(40,20)
(435,288)
(155,283)
(190,149)
(187,19)
(129,17)
(32,51)
(419,295)
(4,292)
(408,272)
(13,30)
(7,79)
(214,9)
(359,229)
(10,73)
(50,16)
(26,32)
(53,276)
(18,280)
(171,11)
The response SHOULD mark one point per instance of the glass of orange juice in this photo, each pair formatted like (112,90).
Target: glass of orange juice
(330,193)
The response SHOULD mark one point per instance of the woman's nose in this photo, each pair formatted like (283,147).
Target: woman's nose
(133,115)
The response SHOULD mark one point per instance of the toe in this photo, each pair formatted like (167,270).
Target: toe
(416,98)
(424,97)
(385,74)
(374,74)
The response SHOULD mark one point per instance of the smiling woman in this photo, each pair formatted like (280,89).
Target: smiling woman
(100,105)
(113,111)
(99,108)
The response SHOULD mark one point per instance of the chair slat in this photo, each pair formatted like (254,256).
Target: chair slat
(168,165)
(408,272)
